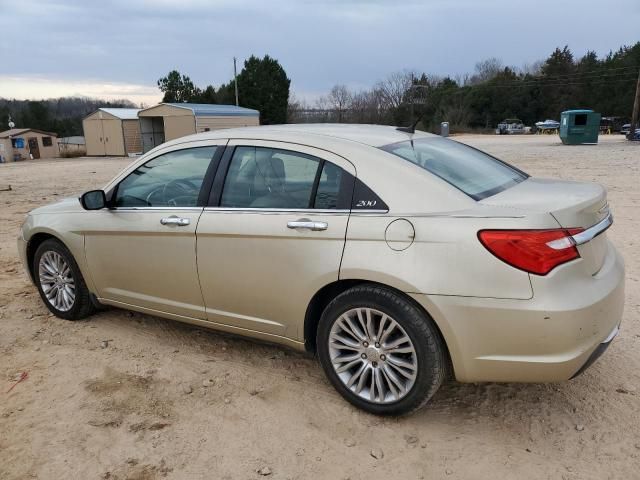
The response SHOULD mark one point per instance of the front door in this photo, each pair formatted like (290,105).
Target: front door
(142,252)
(273,234)
(34,149)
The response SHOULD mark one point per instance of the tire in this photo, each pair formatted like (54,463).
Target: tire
(50,252)
(428,357)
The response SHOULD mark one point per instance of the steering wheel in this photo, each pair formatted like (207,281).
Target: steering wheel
(156,191)
(180,187)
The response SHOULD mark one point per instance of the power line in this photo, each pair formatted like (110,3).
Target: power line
(551,81)
(556,83)
(589,74)
(574,77)
(632,67)
(522,84)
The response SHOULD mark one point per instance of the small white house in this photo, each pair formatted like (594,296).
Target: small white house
(25,143)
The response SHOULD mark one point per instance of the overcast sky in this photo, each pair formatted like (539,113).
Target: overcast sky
(119,48)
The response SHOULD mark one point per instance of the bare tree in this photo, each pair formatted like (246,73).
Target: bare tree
(394,88)
(367,107)
(323,111)
(339,99)
(533,69)
(462,79)
(486,70)
(295,107)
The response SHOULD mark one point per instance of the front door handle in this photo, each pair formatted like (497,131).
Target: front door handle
(308,225)
(177,221)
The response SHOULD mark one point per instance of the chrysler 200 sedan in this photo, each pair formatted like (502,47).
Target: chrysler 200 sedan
(398,258)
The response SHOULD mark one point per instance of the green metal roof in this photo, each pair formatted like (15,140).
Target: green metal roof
(578,111)
(205,109)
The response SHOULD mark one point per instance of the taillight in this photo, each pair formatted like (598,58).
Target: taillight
(534,251)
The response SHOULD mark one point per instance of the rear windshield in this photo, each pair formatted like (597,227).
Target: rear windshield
(475,173)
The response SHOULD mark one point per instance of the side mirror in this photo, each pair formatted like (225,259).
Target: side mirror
(93,200)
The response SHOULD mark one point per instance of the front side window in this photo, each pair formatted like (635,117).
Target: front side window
(47,142)
(170,180)
(475,173)
(269,178)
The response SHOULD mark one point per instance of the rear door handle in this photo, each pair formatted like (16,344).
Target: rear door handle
(177,221)
(308,225)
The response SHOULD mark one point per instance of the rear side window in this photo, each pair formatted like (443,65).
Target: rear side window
(269,178)
(260,177)
(330,188)
(477,174)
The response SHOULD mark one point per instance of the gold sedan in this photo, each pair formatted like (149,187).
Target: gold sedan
(399,258)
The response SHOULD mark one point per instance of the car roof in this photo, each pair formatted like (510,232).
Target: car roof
(411,187)
(316,134)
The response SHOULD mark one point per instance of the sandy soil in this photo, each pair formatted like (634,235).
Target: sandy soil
(163,399)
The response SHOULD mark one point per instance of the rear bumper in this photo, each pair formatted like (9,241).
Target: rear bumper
(597,353)
(550,337)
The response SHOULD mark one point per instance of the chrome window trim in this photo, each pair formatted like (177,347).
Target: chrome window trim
(274,210)
(369,211)
(290,210)
(592,232)
(249,210)
(157,209)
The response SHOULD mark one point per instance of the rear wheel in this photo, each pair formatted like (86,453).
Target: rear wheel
(60,282)
(380,351)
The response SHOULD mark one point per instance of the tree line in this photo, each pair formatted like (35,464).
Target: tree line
(60,115)
(493,92)
(478,100)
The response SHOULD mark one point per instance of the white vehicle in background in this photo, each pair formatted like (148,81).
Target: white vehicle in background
(548,126)
(510,126)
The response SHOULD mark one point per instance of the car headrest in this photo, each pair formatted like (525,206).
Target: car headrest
(270,166)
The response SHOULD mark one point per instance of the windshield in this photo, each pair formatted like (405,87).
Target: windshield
(477,174)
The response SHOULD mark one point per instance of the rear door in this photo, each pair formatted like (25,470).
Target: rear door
(273,234)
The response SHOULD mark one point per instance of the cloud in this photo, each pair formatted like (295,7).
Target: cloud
(35,87)
(319,42)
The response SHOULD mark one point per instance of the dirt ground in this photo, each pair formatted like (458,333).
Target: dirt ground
(129,396)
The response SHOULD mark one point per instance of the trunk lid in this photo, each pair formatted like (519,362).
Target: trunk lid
(572,204)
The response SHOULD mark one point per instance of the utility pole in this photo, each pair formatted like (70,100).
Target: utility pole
(634,115)
(235,79)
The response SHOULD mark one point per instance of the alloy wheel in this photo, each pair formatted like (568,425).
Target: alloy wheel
(372,355)
(56,280)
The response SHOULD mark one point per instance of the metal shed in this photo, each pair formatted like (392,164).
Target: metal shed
(112,131)
(173,120)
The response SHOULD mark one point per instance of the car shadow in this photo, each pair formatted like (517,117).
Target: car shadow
(515,405)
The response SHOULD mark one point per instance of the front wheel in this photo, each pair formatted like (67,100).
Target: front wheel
(380,351)
(60,282)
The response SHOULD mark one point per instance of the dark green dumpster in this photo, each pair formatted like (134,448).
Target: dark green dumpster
(579,126)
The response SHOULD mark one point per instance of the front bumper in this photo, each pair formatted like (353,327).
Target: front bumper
(548,338)
(22,251)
